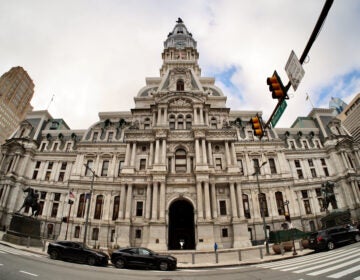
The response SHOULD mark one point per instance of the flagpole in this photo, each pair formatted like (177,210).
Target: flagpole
(52,98)
(308,98)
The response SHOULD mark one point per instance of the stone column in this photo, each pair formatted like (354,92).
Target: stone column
(165,116)
(211,162)
(148,201)
(199,201)
(197,151)
(127,154)
(207,201)
(233,154)
(159,117)
(133,155)
(214,200)
(163,154)
(356,192)
(157,147)
(233,201)
(151,154)
(155,201)
(195,116)
(203,146)
(128,202)
(240,200)
(227,154)
(201,116)
(162,200)
(273,205)
(122,201)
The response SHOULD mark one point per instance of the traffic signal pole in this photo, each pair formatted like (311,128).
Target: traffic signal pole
(312,39)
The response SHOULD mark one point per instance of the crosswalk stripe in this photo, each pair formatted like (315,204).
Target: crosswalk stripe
(346,272)
(14,252)
(324,262)
(327,263)
(333,267)
(307,258)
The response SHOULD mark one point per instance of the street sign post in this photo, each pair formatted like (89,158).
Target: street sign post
(294,70)
(278,113)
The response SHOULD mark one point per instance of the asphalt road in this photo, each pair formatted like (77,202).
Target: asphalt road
(342,263)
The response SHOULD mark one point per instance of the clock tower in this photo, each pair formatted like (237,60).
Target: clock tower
(180,52)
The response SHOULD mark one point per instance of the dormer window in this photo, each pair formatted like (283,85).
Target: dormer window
(180,85)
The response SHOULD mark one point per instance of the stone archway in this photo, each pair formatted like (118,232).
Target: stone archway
(181,225)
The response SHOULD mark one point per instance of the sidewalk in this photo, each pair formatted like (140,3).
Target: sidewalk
(204,259)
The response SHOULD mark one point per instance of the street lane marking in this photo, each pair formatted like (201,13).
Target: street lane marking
(346,272)
(28,273)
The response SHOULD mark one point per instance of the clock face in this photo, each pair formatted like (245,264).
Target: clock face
(180,45)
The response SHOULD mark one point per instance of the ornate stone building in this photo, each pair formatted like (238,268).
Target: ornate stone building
(16,91)
(179,167)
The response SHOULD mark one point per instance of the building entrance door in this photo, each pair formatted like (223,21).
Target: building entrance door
(181,226)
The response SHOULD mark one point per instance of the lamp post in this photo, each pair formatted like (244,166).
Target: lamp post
(286,202)
(261,208)
(88,205)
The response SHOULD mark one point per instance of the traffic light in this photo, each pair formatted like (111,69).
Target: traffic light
(257,126)
(276,87)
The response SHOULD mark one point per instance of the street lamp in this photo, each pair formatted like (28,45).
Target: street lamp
(288,218)
(262,208)
(88,205)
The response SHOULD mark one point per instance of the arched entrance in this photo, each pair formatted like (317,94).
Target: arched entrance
(181,225)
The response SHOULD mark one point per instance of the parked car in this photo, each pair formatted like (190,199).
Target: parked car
(143,258)
(75,251)
(332,237)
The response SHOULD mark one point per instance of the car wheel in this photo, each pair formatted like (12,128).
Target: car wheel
(330,245)
(54,255)
(357,238)
(120,263)
(91,260)
(163,266)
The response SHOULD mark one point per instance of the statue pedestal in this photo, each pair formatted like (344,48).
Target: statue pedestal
(24,230)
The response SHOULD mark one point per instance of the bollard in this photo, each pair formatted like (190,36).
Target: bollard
(261,253)
(282,249)
(239,253)
(28,242)
(216,257)
(193,258)
(44,245)
(301,246)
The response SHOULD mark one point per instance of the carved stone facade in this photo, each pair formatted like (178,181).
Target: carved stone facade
(179,167)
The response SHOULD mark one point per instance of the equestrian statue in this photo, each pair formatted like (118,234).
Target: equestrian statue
(31,200)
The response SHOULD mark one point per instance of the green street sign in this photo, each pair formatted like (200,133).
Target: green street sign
(278,113)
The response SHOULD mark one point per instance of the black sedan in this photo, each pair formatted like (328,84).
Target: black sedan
(75,251)
(332,237)
(142,258)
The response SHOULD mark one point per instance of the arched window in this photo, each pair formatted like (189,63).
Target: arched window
(116,208)
(246,204)
(180,122)
(180,85)
(188,121)
(172,122)
(81,207)
(180,161)
(263,205)
(280,203)
(98,207)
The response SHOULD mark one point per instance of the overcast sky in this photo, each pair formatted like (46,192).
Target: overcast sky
(94,56)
